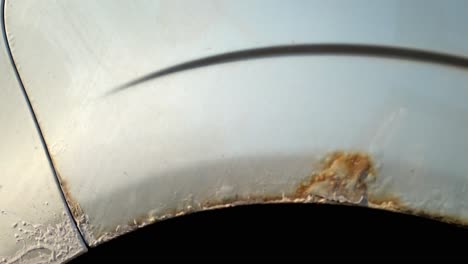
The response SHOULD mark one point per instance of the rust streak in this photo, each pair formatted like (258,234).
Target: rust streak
(77,212)
(343,177)
(74,206)
(146,219)
(342,174)
(394,204)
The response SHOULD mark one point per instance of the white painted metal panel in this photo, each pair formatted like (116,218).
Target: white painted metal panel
(251,128)
(34,224)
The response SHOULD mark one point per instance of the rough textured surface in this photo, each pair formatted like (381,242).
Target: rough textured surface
(343,177)
(81,219)
(44,243)
(34,225)
(244,131)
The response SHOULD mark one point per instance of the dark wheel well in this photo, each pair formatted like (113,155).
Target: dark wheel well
(287,231)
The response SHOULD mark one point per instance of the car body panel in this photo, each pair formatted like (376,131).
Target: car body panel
(367,130)
(35,225)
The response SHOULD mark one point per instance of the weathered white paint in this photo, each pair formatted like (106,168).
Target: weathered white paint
(246,128)
(33,215)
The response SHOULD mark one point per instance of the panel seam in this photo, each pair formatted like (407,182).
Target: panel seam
(36,123)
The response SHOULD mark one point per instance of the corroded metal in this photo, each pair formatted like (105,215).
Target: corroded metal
(381,131)
(35,226)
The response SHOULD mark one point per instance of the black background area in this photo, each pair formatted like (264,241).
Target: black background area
(287,231)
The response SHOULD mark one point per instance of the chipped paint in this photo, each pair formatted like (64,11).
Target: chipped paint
(81,219)
(124,157)
(51,243)
(394,204)
(73,205)
(150,218)
(35,226)
(343,177)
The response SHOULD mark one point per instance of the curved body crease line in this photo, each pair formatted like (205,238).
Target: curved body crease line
(155,109)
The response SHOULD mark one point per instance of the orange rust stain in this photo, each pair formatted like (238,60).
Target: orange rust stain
(389,202)
(384,202)
(212,204)
(242,199)
(206,205)
(74,206)
(346,173)
(393,203)
(342,173)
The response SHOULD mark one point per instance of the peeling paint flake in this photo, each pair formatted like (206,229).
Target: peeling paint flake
(344,176)
(52,243)
(35,226)
(81,219)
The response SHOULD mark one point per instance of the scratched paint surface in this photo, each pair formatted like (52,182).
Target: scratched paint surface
(247,131)
(34,224)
